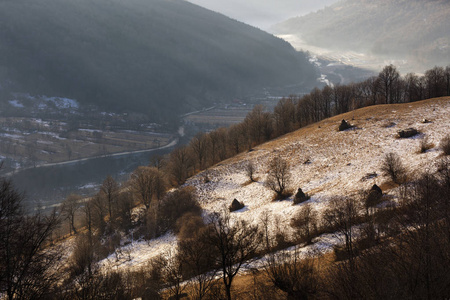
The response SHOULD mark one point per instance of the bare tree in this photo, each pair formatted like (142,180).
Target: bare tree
(256,123)
(279,176)
(293,275)
(392,166)
(235,244)
(109,190)
(388,76)
(69,208)
(340,217)
(199,146)
(28,268)
(180,164)
(148,183)
(157,161)
(250,171)
(284,116)
(436,84)
(198,258)
(305,222)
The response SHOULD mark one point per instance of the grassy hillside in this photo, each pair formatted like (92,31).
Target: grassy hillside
(155,57)
(324,162)
(398,29)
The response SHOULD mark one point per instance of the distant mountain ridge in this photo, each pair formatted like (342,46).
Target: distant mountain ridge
(413,30)
(157,57)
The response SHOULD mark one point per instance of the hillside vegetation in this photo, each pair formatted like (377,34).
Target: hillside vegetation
(129,251)
(161,58)
(416,31)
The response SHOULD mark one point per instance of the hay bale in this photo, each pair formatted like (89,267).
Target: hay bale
(407,133)
(374,196)
(377,189)
(344,125)
(236,205)
(300,197)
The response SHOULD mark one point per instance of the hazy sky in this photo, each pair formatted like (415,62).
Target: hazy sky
(263,13)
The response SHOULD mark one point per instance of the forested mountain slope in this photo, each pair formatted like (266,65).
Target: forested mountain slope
(156,57)
(416,31)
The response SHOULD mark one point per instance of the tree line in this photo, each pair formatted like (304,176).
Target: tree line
(294,112)
(33,269)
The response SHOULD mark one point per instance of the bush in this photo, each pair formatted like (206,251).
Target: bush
(445,145)
(392,166)
(425,145)
(175,205)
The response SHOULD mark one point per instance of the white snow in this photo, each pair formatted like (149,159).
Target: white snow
(62,102)
(138,253)
(339,161)
(16,103)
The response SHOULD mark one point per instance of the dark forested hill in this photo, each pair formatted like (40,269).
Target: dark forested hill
(159,57)
(413,30)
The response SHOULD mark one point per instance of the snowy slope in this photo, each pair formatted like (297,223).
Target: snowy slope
(339,161)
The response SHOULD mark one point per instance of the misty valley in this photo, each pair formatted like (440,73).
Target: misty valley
(270,150)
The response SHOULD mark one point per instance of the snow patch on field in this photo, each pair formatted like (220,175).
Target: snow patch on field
(138,253)
(338,166)
(63,103)
(16,103)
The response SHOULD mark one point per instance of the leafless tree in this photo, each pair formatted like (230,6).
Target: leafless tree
(340,217)
(278,176)
(256,123)
(250,170)
(28,267)
(392,166)
(305,221)
(69,208)
(157,161)
(436,84)
(198,257)
(148,183)
(180,164)
(199,146)
(284,116)
(235,244)
(389,76)
(109,190)
(293,275)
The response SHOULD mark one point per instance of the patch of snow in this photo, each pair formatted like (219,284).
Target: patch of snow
(62,103)
(16,103)
(138,253)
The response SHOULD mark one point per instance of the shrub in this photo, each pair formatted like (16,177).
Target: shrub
(424,145)
(175,205)
(392,166)
(445,145)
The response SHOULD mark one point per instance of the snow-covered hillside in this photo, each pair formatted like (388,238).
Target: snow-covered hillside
(324,162)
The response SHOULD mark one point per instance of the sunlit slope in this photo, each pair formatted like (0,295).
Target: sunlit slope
(327,163)
(324,162)
(152,56)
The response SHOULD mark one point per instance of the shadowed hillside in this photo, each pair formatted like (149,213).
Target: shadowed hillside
(156,57)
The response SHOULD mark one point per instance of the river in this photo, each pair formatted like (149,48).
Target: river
(47,185)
